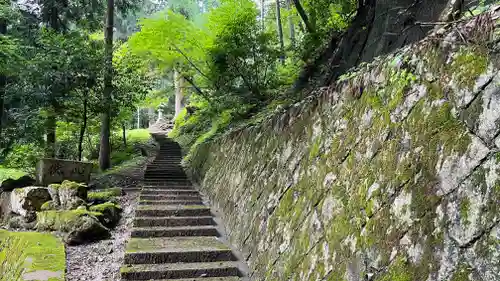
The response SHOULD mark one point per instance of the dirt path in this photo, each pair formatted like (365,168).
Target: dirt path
(101,261)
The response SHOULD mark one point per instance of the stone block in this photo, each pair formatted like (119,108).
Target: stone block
(50,171)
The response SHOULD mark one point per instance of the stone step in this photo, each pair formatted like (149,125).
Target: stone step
(199,230)
(164,186)
(173,221)
(161,191)
(163,172)
(167,197)
(180,270)
(166,176)
(170,211)
(177,249)
(170,202)
(228,278)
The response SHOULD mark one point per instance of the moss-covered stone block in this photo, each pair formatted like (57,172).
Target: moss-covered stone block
(111,213)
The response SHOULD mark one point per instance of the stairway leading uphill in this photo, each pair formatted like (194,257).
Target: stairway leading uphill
(175,235)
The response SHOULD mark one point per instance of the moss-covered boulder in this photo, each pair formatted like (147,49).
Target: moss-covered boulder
(68,195)
(26,201)
(79,225)
(106,195)
(49,205)
(111,213)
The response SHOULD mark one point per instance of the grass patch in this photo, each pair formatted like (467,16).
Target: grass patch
(29,252)
(8,173)
(138,135)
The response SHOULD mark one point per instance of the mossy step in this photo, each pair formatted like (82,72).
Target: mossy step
(156,191)
(173,221)
(228,278)
(167,211)
(176,249)
(159,197)
(169,186)
(184,231)
(171,202)
(167,173)
(180,270)
(166,177)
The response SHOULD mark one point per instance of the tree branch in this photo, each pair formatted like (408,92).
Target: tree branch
(303,15)
(198,89)
(190,62)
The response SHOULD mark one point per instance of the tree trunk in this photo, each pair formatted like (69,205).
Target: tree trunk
(179,92)
(151,116)
(124,134)
(291,26)
(280,31)
(262,14)
(3,80)
(303,16)
(50,126)
(83,128)
(138,118)
(105,149)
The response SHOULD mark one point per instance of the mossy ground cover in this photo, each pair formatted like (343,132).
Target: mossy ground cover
(32,255)
(104,195)
(8,173)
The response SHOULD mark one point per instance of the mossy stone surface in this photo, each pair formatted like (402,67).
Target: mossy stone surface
(390,173)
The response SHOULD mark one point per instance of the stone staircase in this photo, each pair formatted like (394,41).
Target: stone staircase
(175,235)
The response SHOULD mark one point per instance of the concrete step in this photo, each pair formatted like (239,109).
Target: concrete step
(176,249)
(173,221)
(170,211)
(180,270)
(171,202)
(200,230)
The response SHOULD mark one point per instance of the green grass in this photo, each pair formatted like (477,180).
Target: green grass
(138,135)
(8,173)
(25,252)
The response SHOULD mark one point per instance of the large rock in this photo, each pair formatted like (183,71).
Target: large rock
(11,184)
(88,230)
(79,225)
(50,171)
(5,208)
(111,213)
(26,201)
(68,195)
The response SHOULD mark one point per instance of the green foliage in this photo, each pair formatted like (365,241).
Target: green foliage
(24,157)
(8,173)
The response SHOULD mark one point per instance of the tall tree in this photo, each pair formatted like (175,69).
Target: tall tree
(291,25)
(105,145)
(280,31)
(262,13)
(3,77)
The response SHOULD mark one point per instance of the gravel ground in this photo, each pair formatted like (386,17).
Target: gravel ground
(101,261)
